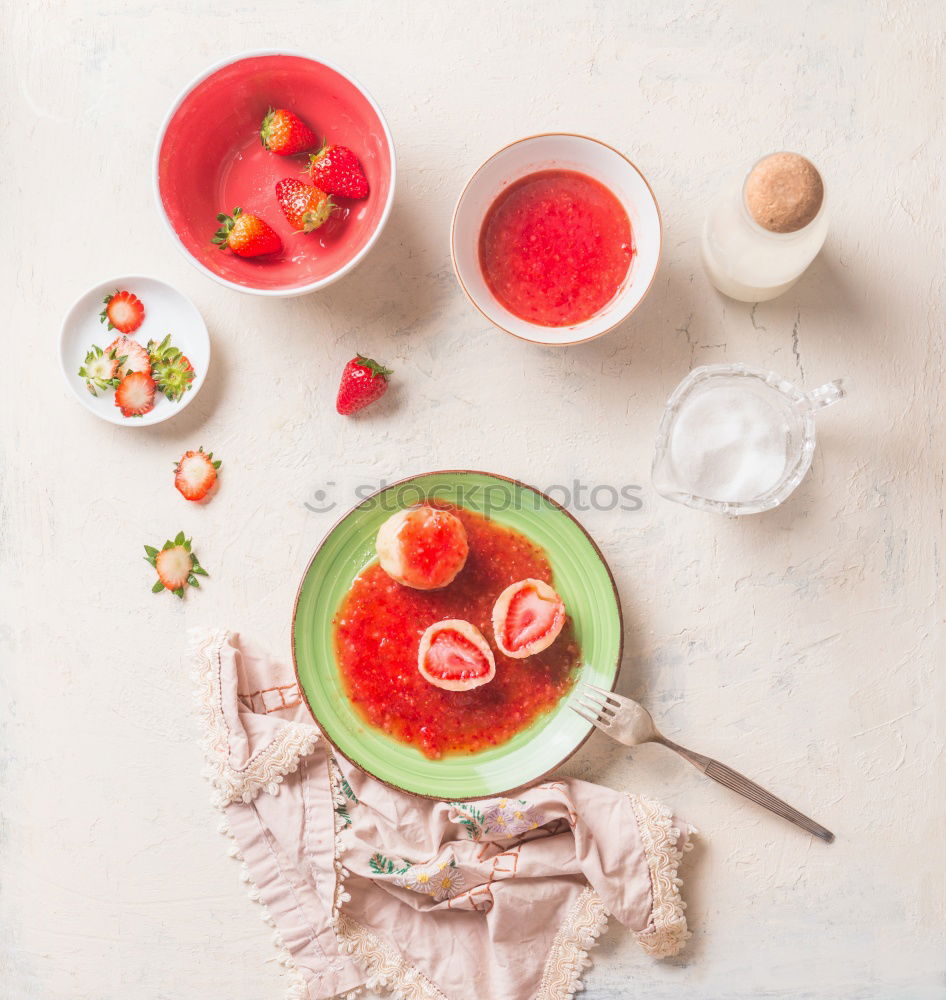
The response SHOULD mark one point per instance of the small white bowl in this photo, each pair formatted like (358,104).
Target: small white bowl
(167,311)
(557,151)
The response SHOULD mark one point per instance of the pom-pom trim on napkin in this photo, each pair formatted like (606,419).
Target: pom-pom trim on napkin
(667,931)
(265,769)
(296,987)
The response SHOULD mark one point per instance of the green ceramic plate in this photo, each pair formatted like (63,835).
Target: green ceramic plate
(581,576)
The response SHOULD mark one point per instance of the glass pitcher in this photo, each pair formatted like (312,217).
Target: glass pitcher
(737,440)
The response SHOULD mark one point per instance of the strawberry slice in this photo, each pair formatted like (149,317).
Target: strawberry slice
(135,394)
(132,356)
(176,564)
(195,474)
(123,312)
(527,618)
(454,656)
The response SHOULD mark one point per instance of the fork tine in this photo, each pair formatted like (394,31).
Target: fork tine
(601,709)
(596,708)
(603,693)
(598,718)
(590,717)
(582,713)
(591,693)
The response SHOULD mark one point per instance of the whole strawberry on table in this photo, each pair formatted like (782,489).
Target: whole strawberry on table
(363,382)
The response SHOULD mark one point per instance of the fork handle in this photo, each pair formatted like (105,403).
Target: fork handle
(741,784)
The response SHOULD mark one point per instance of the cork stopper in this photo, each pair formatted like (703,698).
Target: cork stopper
(784,192)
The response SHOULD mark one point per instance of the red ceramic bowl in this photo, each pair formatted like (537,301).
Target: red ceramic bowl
(209,159)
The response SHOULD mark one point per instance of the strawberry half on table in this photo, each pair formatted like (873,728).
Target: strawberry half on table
(337,170)
(196,473)
(123,312)
(363,382)
(246,234)
(176,564)
(285,133)
(305,207)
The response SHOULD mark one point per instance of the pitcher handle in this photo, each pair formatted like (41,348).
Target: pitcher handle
(826,394)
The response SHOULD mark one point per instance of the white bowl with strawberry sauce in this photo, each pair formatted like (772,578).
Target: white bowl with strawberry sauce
(209,160)
(556,238)
(167,311)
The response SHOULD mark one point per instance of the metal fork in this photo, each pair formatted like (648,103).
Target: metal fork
(629,723)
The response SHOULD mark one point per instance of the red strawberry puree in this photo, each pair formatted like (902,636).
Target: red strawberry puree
(378,629)
(555,247)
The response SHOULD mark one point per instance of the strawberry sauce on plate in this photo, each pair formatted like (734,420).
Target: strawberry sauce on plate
(379,625)
(555,247)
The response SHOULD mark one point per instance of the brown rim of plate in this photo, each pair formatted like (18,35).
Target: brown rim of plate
(456,472)
(466,291)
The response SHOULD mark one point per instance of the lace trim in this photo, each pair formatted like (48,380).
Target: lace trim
(387,971)
(266,769)
(568,958)
(667,931)
(341,872)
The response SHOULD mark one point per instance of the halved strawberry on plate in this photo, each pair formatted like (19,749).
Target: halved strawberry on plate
(527,618)
(454,656)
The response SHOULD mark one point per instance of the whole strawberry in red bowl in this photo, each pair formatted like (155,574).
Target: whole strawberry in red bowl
(243,126)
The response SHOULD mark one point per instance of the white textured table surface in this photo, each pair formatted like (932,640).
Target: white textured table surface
(803,646)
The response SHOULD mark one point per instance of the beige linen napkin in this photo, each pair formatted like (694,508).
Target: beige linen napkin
(366,886)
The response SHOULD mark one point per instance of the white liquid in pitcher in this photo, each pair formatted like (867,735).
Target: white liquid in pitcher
(729,442)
